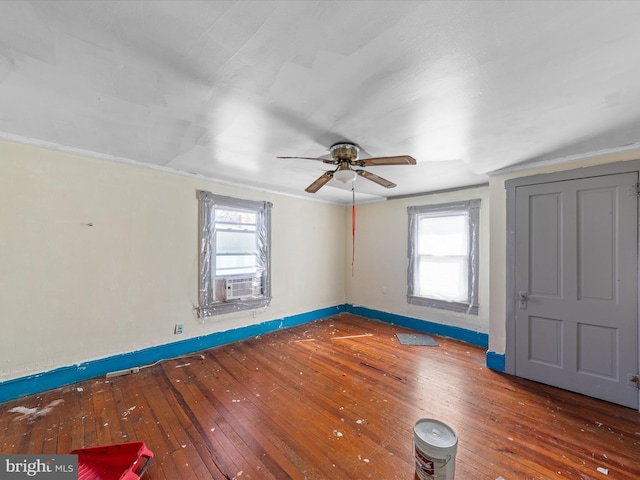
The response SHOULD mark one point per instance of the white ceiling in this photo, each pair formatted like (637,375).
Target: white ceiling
(223,88)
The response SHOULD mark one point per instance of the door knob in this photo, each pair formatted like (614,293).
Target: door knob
(522,299)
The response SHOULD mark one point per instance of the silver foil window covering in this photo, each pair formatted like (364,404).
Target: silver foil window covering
(235,254)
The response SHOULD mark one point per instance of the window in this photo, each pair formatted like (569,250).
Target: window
(235,266)
(443,256)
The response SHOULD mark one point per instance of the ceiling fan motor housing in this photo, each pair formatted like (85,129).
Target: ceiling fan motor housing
(345,151)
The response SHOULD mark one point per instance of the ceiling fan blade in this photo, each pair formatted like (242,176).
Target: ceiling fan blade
(396,160)
(306,158)
(375,178)
(319,159)
(315,186)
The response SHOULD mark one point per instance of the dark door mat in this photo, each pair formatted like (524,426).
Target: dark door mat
(416,339)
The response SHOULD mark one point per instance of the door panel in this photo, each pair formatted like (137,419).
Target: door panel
(598,347)
(546,254)
(545,341)
(577,266)
(596,244)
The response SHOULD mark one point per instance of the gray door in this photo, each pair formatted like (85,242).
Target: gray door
(576,278)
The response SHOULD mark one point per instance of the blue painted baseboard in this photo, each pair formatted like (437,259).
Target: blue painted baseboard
(40,382)
(469,336)
(496,361)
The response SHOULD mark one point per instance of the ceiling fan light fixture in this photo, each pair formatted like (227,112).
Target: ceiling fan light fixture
(345,176)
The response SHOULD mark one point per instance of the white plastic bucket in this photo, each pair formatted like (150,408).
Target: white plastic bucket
(435,449)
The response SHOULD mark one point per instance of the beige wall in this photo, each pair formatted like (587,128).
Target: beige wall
(70,292)
(380,274)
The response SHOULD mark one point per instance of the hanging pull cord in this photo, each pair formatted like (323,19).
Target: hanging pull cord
(353,229)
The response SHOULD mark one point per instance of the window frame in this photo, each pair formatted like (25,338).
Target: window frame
(209,305)
(472,210)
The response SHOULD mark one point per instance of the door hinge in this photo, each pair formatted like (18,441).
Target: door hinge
(634,380)
(634,190)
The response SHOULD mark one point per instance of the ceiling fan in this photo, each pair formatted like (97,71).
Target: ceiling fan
(345,156)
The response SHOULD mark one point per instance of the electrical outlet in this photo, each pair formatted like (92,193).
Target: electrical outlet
(178,329)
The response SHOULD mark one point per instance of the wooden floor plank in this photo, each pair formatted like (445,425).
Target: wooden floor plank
(332,399)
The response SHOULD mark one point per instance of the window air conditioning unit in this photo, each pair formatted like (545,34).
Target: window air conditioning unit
(239,288)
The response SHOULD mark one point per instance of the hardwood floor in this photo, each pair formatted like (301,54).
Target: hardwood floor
(333,399)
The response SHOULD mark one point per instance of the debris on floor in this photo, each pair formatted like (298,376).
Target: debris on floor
(31,414)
